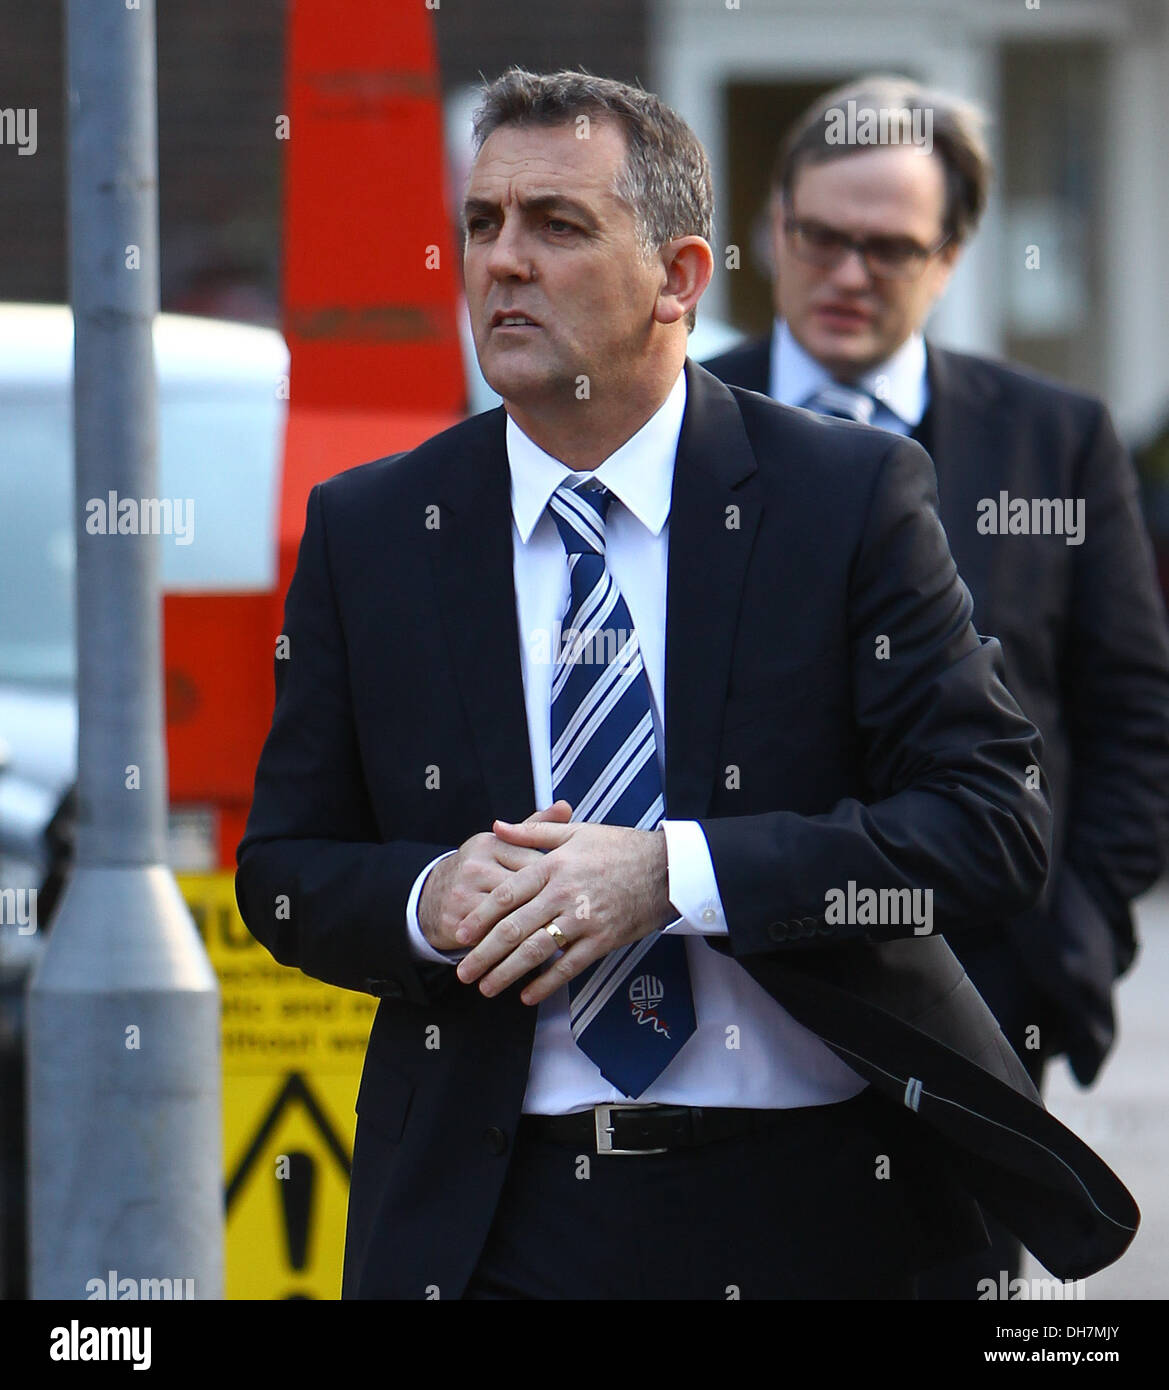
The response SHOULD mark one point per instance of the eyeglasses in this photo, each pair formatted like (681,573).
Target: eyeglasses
(884,257)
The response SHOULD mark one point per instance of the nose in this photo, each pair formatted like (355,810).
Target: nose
(851,273)
(509,256)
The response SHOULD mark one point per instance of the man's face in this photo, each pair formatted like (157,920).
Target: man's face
(550,241)
(846,318)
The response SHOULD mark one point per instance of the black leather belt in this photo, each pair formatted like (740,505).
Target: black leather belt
(647,1129)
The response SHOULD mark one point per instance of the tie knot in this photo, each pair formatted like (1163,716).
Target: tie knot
(578,509)
(843,403)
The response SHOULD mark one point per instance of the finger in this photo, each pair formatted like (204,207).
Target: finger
(477,877)
(489,850)
(559,811)
(542,835)
(511,893)
(513,856)
(506,936)
(472,892)
(535,950)
(481,878)
(566,964)
(506,899)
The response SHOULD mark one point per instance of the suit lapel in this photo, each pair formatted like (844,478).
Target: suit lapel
(958,432)
(471,551)
(714,513)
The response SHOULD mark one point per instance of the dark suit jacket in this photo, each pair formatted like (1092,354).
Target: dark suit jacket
(1087,656)
(808,759)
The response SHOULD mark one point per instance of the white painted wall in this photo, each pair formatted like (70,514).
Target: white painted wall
(697,46)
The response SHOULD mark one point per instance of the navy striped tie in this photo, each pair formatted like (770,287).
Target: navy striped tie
(843,402)
(632,1010)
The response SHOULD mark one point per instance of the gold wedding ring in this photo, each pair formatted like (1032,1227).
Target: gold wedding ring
(558,936)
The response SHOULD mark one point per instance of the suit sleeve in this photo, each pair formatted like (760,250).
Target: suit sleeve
(314,881)
(954,802)
(1115,689)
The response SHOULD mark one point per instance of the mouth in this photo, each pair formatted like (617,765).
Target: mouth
(503,318)
(844,316)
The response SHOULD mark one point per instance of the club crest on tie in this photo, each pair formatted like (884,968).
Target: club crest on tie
(646,992)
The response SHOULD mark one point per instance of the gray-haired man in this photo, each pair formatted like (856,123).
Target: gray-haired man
(631,1054)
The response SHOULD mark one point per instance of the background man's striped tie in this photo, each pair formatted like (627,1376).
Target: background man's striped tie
(632,1010)
(843,402)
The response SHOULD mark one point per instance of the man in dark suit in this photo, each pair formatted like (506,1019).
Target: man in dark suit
(1039,502)
(705,1038)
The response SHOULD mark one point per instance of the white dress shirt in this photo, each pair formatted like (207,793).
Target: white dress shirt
(899,385)
(747,1050)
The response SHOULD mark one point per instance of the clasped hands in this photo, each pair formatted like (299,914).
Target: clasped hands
(603,886)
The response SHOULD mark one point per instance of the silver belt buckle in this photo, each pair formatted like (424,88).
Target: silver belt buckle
(603,1116)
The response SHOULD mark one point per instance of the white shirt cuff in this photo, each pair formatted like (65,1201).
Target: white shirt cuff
(418,943)
(692,884)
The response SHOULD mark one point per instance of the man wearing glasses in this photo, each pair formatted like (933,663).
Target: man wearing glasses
(1039,502)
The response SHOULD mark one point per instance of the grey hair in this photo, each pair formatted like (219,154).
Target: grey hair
(665,178)
(957,133)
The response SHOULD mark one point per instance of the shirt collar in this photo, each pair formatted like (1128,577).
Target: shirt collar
(640,473)
(899,383)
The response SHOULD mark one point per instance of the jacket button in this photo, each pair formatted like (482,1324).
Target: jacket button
(495,1139)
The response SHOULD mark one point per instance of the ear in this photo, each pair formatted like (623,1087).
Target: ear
(688,263)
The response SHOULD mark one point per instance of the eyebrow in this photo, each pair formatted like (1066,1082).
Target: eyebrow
(871,236)
(541,202)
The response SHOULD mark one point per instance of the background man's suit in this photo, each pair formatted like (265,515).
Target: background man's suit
(794,544)
(1087,656)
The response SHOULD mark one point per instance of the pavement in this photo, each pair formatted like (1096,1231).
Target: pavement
(1125,1115)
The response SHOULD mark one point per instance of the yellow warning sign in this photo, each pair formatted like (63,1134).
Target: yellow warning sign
(287,1185)
(292,1051)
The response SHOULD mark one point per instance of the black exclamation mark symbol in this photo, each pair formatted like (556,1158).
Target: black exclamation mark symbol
(296,1197)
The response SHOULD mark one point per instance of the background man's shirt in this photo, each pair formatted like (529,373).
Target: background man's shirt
(899,385)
